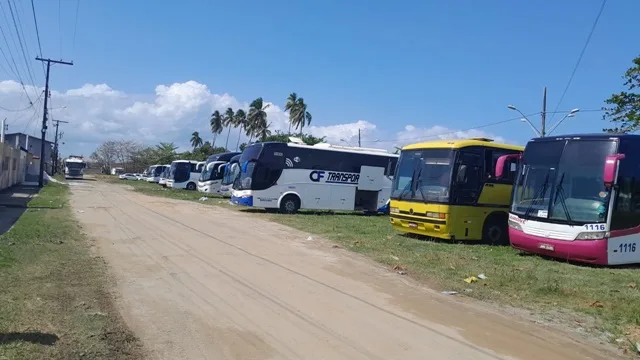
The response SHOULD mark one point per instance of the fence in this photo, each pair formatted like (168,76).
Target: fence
(13,165)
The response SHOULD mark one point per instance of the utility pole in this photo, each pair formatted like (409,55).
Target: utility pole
(3,130)
(359,145)
(544,113)
(54,170)
(44,114)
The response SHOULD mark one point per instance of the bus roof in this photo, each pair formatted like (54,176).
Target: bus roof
(184,161)
(74,159)
(587,136)
(338,148)
(461,143)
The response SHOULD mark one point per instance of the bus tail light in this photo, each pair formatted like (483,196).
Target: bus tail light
(515,225)
(592,235)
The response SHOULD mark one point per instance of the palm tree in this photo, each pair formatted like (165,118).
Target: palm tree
(240,120)
(196,140)
(227,121)
(257,118)
(302,115)
(263,130)
(216,124)
(292,101)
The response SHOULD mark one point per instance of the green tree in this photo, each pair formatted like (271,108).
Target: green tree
(196,140)
(217,124)
(302,115)
(284,137)
(227,121)
(165,153)
(291,107)
(257,119)
(623,109)
(240,120)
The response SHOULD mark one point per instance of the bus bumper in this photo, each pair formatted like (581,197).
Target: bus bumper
(420,227)
(246,200)
(586,251)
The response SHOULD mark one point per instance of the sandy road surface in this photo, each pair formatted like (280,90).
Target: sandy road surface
(200,282)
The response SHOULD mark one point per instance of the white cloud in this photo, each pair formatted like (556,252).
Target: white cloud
(97,112)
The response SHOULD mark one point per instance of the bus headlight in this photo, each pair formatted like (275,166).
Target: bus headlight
(394,210)
(592,235)
(436,215)
(515,225)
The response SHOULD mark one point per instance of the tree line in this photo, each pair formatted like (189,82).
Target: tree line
(135,157)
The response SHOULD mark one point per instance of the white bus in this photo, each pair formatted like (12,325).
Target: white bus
(211,178)
(200,166)
(231,172)
(74,167)
(164,176)
(183,174)
(154,172)
(289,177)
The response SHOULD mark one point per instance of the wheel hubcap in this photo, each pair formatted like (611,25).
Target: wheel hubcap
(290,206)
(495,233)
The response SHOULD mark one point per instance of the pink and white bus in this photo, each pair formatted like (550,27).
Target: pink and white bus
(577,197)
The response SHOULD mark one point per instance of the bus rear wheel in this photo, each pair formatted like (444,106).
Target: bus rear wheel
(495,230)
(191,186)
(290,204)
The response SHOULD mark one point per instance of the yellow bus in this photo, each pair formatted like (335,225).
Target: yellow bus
(447,189)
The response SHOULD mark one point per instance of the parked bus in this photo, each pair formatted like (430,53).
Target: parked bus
(446,189)
(575,199)
(74,167)
(289,177)
(164,176)
(211,178)
(154,173)
(231,172)
(211,182)
(200,166)
(183,174)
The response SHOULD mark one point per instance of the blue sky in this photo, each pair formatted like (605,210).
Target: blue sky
(455,64)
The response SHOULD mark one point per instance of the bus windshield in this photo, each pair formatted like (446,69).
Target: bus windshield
(231,173)
(423,175)
(211,172)
(260,166)
(561,181)
(75,165)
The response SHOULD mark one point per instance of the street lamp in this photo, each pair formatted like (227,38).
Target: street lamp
(571,113)
(524,119)
(346,142)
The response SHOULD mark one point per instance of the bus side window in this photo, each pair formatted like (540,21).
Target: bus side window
(491,159)
(626,210)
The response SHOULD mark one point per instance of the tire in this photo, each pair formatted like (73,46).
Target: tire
(290,204)
(496,230)
(191,186)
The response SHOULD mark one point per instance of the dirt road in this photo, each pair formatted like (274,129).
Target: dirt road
(201,282)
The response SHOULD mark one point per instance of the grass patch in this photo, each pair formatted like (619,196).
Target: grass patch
(556,290)
(55,303)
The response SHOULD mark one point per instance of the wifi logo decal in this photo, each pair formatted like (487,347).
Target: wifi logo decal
(289,162)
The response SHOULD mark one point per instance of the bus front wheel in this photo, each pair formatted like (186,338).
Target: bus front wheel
(290,204)
(191,186)
(495,230)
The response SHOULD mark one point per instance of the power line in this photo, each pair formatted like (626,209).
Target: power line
(584,48)
(60,25)
(25,109)
(35,22)
(75,28)
(471,128)
(22,47)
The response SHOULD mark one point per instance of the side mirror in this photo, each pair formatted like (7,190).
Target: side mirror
(502,160)
(461,176)
(611,169)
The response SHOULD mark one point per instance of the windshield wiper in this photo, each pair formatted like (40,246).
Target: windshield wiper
(563,203)
(541,192)
(418,182)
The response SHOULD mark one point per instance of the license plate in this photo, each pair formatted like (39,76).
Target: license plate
(413,225)
(546,247)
